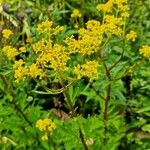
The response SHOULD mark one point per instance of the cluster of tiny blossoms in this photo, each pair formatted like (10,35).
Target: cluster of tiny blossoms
(50,55)
(132,35)
(113,5)
(115,17)
(7,33)
(76,14)
(46,126)
(10,52)
(89,39)
(90,70)
(145,51)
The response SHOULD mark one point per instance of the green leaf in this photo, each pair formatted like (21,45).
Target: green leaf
(146,128)
(147,108)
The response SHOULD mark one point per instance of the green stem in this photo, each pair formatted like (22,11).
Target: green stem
(118,61)
(13,102)
(67,96)
(108,96)
(82,139)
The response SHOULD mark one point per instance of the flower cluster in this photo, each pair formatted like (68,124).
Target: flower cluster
(107,7)
(51,56)
(113,25)
(76,13)
(7,33)
(89,39)
(113,5)
(10,52)
(46,126)
(114,18)
(90,70)
(145,51)
(132,35)
(47,55)
(20,70)
(45,26)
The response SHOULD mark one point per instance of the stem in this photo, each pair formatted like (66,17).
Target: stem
(98,94)
(16,107)
(106,105)
(82,139)
(67,96)
(107,99)
(118,61)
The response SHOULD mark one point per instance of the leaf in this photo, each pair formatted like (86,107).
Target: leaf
(147,108)
(146,128)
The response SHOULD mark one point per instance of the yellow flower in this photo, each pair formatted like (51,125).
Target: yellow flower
(7,33)
(46,126)
(45,26)
(121,5)
(114,5)
(107,7)
(45,137)
(113,25)
(18,64)
(89,39)
(10,52)
(90,70)
(20,70)
(22,50)
(35,71)
(42,46)
(76,13)
(125,14)
(132,35)
(57,30)
(53,57)
(73,45)
(145,51)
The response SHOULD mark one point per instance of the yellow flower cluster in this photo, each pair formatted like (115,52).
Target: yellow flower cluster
(113,25)
(35,71)
(73,45)
(145,51)
(89,39)
(51,56)
(10,52)
(132,35)
(46,126)
(115,14)
(20,70)
(45,26)
(121,5)
(76,13)
(7,33)
(47,55)
(113,5)
(22,50)
(90,70)
(107,7)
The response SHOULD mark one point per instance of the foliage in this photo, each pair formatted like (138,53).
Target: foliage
(74,74)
